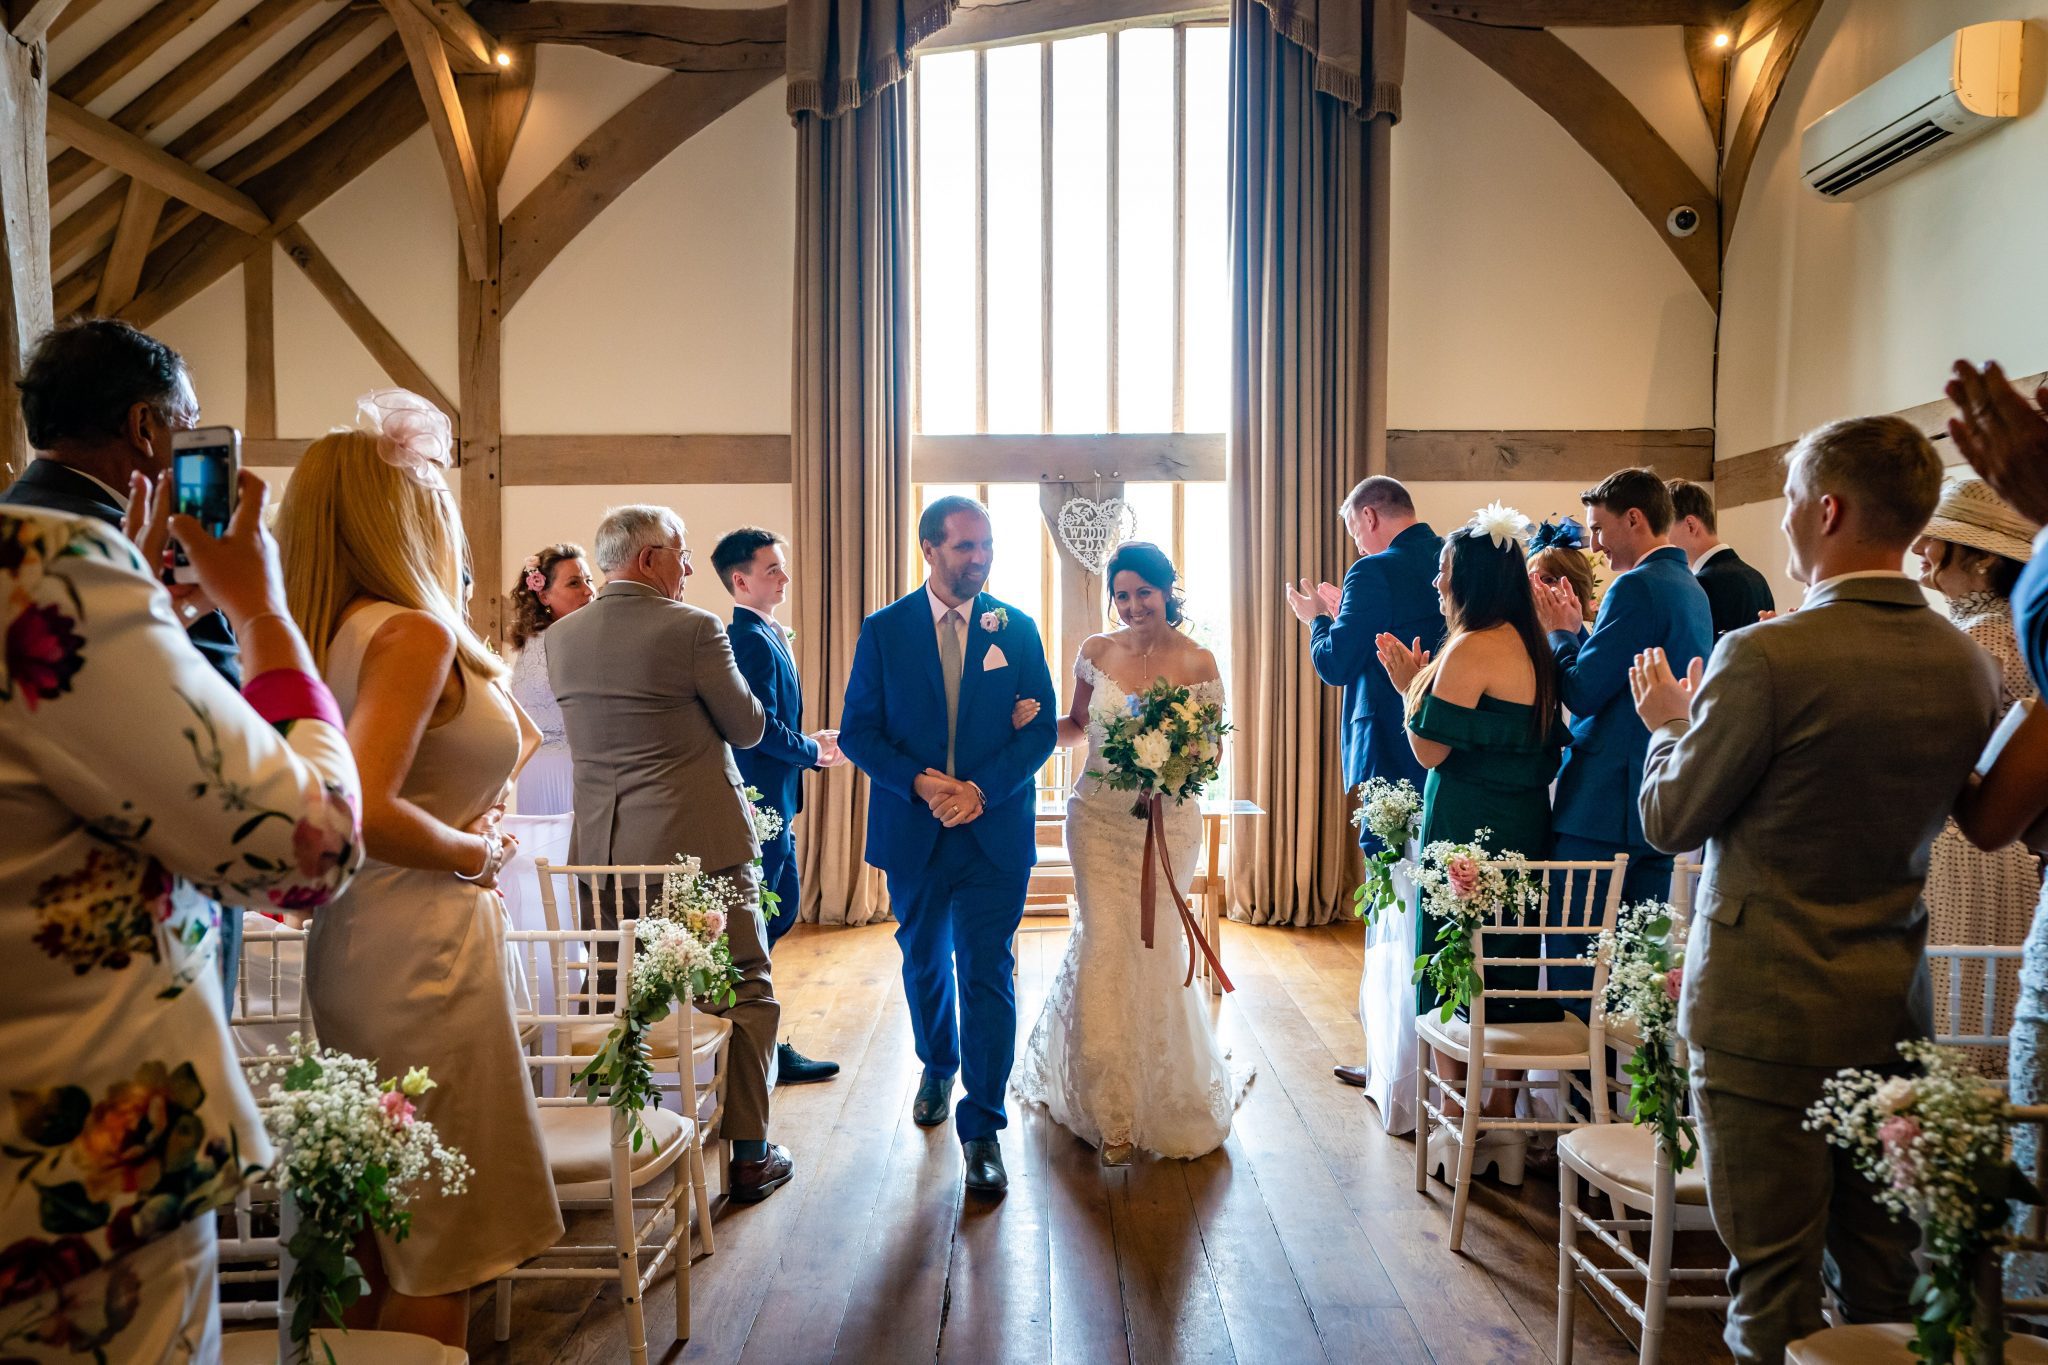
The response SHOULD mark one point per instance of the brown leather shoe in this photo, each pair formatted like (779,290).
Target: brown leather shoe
(1354,1075)
(749,1182)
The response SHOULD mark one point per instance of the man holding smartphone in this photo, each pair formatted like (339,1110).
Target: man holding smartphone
(103,402)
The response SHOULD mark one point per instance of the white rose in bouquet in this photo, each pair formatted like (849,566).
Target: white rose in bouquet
(1153,749)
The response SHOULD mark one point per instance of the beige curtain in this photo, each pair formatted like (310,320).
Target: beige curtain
(850,400)
(1314,88)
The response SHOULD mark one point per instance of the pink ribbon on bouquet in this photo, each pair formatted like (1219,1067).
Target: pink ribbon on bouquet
(1155,851)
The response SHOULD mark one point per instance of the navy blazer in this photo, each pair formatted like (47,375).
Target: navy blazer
(1393,591)
(1736,593)
(46,483)
(893,727)
(1657,603)
(775,767)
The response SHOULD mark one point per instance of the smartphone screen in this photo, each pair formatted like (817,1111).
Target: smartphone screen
(204,463)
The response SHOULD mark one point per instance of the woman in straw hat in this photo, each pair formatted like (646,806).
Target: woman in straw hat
(1971,553)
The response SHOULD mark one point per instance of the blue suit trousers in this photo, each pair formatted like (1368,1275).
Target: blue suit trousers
(955,918)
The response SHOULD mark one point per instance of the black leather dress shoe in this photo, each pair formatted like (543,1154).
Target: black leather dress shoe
(793,1068)
(985,1173)
(1354,1075)
(749,1182)
(934,1102)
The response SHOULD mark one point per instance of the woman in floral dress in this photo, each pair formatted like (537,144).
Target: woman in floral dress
(139,791)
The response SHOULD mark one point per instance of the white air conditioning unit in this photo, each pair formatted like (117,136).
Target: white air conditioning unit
(1950,93)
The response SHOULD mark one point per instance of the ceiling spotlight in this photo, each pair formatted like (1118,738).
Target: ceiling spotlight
(1720,40)
(505,58)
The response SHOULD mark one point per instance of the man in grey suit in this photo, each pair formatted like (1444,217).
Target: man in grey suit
(653,703)
(1817,760)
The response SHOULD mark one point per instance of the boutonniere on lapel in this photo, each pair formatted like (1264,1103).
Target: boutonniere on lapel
(996,620)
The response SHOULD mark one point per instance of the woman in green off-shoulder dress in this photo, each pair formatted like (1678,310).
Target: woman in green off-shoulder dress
(1483,719)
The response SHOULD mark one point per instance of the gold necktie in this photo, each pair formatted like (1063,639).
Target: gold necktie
(949,668)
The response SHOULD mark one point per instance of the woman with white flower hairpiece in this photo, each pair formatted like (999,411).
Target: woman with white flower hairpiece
(1123,1055)
(1483,718)
(406,969)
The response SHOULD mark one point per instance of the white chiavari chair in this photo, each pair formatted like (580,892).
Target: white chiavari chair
(1581,898)
(1890,1343)
(1632,1167)
(589,1145)
(1957,971)
(269,1004)
(567,894)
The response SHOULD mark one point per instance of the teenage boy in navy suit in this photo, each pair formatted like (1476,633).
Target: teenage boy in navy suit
(751,564)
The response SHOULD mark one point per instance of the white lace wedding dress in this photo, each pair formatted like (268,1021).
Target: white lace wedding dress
(1122,1051)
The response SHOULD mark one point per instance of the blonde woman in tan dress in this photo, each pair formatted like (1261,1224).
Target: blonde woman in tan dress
(1972,553)
(407,967)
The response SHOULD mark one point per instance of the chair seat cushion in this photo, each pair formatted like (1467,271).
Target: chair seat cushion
(708,1033)
(1564,1037)
(578,1139)
(344,1348)
(1623,1154)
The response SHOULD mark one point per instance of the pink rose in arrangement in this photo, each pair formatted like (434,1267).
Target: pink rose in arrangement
(714,923)
(1674,980)
(1898,1133)
(1463,873)
(397,1108)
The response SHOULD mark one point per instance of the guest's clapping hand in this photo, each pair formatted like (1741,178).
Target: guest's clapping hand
(1661,696)
(2004,437)
(1024,712)
(147,522)
(1557,605)
(1330,596)
(1402,662)
(1305,600)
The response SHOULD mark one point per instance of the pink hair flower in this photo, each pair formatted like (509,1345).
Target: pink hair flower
(412,434)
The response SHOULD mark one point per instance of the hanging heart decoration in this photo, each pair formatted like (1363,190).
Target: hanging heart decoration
(1091,530)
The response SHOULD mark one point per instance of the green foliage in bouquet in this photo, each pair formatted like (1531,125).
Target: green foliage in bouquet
(1391,811)
(1161,742)
(1645,971)
(1465,886)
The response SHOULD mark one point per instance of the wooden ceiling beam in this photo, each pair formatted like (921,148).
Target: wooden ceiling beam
(1787,38)
(471,51)
(428,57)
(67,16)
(386,349)
(298,129)
(1603,121)
(198,73)
(631,142)
(1709,75)
(144,204)
(128,48)
(89,228)
(1578,13)
(205,251)
(1758,18)
(672,36)
(125,152)
(287,73)
(29,21)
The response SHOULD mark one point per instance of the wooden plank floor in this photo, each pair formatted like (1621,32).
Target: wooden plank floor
(1302,1240)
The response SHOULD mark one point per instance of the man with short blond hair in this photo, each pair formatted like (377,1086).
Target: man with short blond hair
(1816,758)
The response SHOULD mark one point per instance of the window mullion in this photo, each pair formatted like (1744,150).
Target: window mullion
(916,270)
(1180,228)
(1110,219)
(981,241)
(1045,234)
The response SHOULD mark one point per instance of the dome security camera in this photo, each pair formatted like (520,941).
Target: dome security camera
(1682,221)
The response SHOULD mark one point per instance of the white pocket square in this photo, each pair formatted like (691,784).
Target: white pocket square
(994,659)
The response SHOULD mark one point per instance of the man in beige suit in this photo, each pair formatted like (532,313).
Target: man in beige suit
(653,704)
(1816,760)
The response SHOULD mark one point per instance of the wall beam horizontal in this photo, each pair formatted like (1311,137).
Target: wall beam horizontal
(599,459)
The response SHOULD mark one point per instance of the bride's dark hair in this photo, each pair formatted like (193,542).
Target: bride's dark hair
(1490,587)
(1150,563)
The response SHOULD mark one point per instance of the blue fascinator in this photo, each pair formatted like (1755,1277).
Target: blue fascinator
(1565,533)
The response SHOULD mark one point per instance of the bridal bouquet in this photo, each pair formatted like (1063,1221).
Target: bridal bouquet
(1389,810)
(1645,969)
(1162,743)
(682,953)
(352,1153)
(1935,1145)
(1465,886)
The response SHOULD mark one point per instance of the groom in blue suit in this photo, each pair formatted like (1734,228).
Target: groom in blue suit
(951,811)
(1653,602)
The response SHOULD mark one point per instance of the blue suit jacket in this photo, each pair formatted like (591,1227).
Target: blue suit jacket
(893,727)
(1393,591)
(1657,603)
(776,765)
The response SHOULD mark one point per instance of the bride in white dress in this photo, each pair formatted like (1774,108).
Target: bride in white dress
(1123,1054)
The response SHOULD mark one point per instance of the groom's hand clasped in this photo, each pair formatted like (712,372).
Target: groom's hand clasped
(954,802)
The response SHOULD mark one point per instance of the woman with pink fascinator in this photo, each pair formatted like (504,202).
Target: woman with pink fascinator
(407,967)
